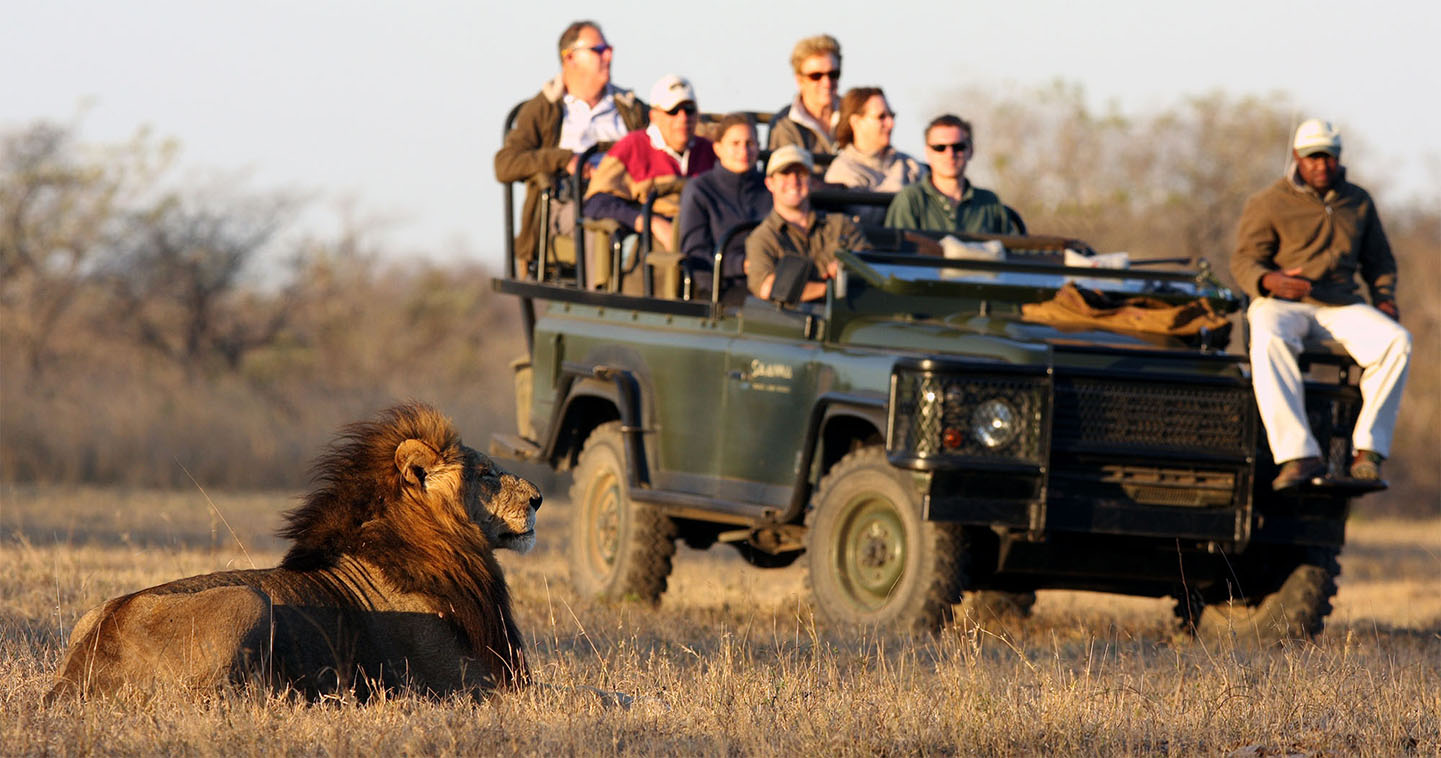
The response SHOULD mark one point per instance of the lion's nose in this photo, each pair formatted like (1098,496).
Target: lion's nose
(535,501)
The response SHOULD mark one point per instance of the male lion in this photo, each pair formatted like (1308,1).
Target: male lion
(391,582)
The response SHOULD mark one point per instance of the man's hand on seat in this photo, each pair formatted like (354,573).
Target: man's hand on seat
(1286,284)
(1389,308)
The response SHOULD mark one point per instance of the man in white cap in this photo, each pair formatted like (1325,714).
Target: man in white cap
(660,158)
(794,230)
(1300,244)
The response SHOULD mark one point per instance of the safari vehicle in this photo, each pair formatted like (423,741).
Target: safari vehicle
(917,437)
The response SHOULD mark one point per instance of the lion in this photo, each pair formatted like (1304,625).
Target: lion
(391,583)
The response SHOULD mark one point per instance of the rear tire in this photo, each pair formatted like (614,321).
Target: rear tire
(873,561)
(1286,602)
(619,549)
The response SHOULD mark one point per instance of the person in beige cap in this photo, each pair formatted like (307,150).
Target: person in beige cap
(1299,246)
(661,158)
(793,229)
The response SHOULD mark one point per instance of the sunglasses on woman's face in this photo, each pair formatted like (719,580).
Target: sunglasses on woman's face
(815,76)
(958,147)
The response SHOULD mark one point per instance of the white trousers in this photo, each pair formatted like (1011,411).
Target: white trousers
(1379,345)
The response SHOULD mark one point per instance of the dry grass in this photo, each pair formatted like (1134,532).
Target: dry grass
(731,664)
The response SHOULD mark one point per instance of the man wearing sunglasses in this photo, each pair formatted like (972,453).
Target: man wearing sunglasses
(659,158)
(810,120)
(575,110)
(947,202)
(1299,245)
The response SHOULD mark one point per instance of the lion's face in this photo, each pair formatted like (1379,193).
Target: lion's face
(502,503)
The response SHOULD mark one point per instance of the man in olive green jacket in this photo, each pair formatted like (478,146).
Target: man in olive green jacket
(1299,246)
(577,109)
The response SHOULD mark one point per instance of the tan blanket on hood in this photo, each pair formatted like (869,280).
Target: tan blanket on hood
(1073,306)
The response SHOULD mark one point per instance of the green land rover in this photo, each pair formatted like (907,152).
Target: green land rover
(926,434)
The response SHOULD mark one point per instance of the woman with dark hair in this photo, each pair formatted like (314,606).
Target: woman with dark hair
(732,192)
(866,159)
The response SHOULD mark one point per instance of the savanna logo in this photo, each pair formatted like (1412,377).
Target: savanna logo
(763,376)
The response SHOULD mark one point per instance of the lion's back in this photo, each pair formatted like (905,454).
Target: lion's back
(172,634)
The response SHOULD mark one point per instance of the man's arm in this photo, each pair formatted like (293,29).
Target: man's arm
(522,155)
(1378,265)
(1255,253)
(760,265)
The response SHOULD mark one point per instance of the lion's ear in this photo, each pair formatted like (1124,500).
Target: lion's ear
(413,458)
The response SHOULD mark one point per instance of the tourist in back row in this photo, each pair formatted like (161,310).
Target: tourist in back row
(866,159)
(810,120)
(575,110)
(946,201)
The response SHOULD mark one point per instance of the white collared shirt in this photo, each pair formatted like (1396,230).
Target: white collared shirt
(658,142)
(583,126)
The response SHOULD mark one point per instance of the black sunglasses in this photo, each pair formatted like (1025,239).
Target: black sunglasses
(598,49)
(815,76)
(688,108)
(959,147)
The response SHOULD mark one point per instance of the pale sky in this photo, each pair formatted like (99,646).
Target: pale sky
(398,106)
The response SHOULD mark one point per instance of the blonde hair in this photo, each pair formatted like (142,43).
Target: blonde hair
(821,44)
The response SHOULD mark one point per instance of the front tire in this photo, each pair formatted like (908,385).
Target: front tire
(1287,601)
(873,561)
(619,549)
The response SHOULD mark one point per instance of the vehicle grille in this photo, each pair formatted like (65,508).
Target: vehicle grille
(1116,416)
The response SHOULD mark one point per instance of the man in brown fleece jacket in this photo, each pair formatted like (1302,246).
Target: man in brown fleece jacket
(1300,244)
(577,109)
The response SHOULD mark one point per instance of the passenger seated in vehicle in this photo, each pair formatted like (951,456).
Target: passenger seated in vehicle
(810,120)
(793,230)
(731,193)
(575,110)
(866,159)
(661,157)
(946,201)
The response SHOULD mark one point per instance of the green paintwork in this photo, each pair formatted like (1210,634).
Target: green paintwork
(728,399)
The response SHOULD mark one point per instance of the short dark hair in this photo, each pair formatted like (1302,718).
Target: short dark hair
(734,119)
(851,103)
(950,119)
(572,33)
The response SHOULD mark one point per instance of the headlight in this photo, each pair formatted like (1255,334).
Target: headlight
(994,423)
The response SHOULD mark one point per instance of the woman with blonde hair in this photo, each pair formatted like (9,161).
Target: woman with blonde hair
(810,120)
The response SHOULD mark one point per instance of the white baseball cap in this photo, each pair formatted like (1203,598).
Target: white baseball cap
(1317,136)
(671,91)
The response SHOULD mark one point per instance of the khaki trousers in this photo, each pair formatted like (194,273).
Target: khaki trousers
(1379,345)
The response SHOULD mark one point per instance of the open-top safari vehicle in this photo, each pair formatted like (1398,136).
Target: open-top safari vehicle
(932,429)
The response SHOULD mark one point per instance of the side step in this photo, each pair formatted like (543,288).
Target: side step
(514,447)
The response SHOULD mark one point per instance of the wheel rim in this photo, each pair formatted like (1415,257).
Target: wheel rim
(872,551)
(603,541)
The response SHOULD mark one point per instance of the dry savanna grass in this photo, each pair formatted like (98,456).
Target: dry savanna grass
(731,663)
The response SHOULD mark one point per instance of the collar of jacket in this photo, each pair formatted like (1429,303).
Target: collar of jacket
(658,142)
(554,90)
(800,115)
(1294,181)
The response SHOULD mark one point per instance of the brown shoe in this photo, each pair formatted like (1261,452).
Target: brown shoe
(1297,472)
(1366,466)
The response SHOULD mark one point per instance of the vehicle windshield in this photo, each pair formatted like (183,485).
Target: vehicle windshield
(896,271)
